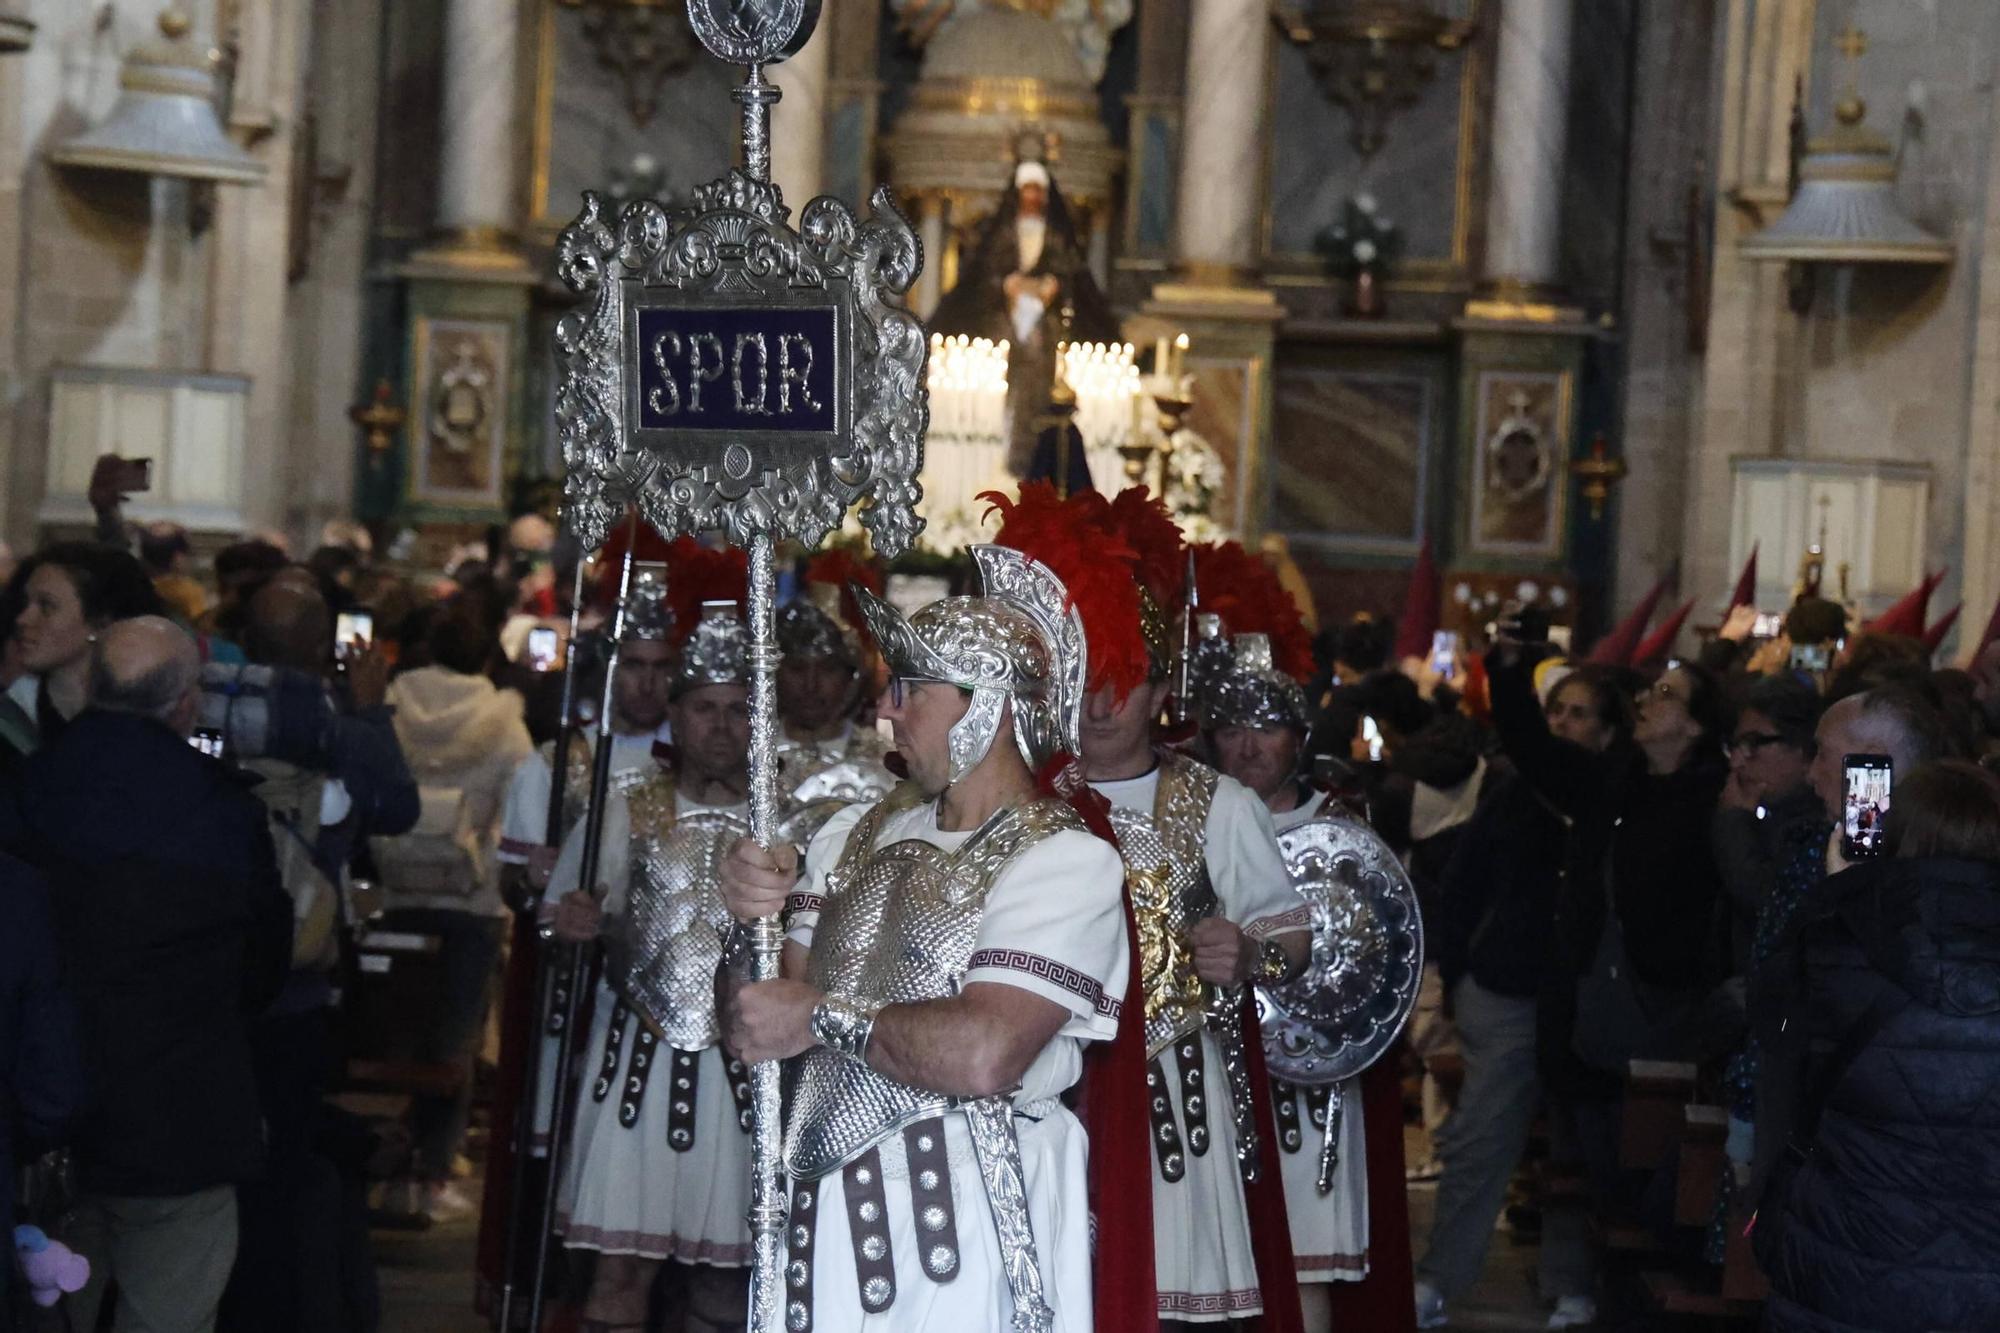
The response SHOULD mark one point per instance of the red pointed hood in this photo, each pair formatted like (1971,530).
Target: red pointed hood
(1992,631)
(1746,584)
(1935,634)
(1617,647)
(1420,607)
(1907,616)
(1661,641)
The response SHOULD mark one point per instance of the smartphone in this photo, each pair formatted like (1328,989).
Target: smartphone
(543,648)
(1444,652)
(208,740)
(1373,735)
(137,476)
(1767,625)
(352,630)
(1811,657)
(1865,805)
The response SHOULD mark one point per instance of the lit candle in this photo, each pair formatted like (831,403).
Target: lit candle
(1180,358)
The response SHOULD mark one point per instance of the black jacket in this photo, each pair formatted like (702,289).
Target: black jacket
(1497,896)
(1649,835)
(41,1075)
(1890,1223)
(173,930)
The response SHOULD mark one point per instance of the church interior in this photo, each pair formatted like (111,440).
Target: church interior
(1541,284)
(1578,305)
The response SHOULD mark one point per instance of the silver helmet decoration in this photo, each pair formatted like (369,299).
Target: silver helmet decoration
(808,630)
(1253,692)
(647,615)
(1017,641)
(717,652)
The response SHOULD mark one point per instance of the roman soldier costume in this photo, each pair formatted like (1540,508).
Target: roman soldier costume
(659,1162)
(1196,844)
(911,1209)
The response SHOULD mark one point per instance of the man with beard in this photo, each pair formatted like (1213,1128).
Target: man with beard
(658,1167)
(1026,279)
(951,950)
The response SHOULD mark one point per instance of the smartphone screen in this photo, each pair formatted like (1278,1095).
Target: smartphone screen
(543,643)
(1811,657)
(1768,625)
(1444,652)
(1373,735)
(138,475)
(208,740)
(1865,805)
(352,630)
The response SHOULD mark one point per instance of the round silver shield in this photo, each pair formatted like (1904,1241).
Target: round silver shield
(1339,1015)
(753,32)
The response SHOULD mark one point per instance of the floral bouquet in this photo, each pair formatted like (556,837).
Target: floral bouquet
(1358,248)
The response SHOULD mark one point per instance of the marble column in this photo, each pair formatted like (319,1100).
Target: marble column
(476,201)
(1228,69)
(1530,144)
(930,282)
(798,125)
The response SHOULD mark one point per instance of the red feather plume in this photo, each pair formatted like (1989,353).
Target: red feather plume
(697,574)
(1076,540)
(1246,593)
(1141,518)
(650,546)
(845,570)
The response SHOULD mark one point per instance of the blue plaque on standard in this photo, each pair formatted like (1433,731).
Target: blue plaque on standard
(754,373)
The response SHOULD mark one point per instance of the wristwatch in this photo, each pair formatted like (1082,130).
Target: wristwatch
(843,1024)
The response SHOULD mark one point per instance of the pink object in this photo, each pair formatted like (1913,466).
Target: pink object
(52,1269)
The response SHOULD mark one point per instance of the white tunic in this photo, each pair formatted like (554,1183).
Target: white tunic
(1204,1266)
(1329,1231)
(524,820)
(627,1190)
(1054,926)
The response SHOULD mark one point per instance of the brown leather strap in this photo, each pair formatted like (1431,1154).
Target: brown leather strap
(1285,1103)
(930,1199)
(614,1046)
(1194,1093)
(685,1071)
(868,1229)
(1166,1134)
(799,1263)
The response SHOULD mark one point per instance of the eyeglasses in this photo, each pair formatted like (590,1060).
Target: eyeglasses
(1662,689)
(1750,742)
(899,688)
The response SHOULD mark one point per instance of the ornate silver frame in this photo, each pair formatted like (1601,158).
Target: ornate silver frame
(736,249)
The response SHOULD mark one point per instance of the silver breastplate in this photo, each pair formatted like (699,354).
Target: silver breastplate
(1166,877)
(662,954)
(897,927)
(817,784)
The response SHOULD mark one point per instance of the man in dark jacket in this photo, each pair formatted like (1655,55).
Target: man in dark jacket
(41,1076)
(173,931)
(1887,1224)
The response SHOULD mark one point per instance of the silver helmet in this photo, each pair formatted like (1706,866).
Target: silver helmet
(807,630)
(1252,692)
(1017,641)
(647,615)
(717,652)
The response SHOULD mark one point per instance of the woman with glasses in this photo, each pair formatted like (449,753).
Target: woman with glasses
(1630,959)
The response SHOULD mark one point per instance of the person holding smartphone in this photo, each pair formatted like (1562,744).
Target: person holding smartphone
(1629,960)
(1880,1213)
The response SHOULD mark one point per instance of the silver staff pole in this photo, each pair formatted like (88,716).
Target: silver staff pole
(546,989)
(573,955)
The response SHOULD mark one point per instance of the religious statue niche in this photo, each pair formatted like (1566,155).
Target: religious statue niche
(1520,478)
(461,422)
(1026,280)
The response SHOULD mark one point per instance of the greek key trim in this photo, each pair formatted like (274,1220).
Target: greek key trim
(804,902)
(1062,975)
(1292,918)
